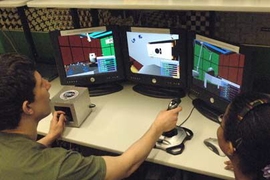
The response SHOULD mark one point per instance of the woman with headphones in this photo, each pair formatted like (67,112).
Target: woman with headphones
(244,136)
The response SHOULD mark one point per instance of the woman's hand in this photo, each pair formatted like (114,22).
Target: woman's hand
(229,165)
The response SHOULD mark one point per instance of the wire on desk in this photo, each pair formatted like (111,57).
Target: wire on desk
(187,117)
(189,113)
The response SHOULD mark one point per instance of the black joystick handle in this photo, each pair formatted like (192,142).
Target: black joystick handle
(173,104)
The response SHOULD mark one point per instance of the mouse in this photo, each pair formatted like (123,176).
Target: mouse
(212,144)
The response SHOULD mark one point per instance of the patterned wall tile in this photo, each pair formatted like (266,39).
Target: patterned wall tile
(243,28)
(9,19)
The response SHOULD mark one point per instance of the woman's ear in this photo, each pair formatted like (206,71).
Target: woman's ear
(27,108)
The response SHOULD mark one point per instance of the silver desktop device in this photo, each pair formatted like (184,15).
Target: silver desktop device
(74,101)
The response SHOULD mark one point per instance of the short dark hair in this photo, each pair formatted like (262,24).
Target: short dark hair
(17,82)
(250,134)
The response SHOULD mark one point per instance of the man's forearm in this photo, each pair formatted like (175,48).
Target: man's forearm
(46,140)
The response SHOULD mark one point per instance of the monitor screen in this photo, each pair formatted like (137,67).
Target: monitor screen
(89,57)
(218,72)
(155,59)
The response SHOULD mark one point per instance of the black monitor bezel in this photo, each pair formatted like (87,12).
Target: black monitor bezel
(152,80)
(212,100)
(95,79)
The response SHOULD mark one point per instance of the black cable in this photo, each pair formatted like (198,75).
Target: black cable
(189,95)
(187,117)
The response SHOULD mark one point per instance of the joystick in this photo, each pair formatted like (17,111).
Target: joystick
(173,141)
(173,104)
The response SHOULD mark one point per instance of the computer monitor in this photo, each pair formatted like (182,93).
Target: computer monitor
(89,57)
(218,71)
(155,59)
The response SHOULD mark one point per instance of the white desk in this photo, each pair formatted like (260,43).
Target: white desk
(197,5)
(121,118)
(12,3)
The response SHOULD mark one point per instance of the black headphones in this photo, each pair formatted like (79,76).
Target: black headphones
(246,109)
(251,105)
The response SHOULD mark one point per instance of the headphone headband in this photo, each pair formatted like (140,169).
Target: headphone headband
(251,106)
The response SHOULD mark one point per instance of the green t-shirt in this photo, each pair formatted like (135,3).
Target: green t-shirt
(24,159)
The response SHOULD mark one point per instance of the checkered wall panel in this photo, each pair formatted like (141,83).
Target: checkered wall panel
(48,19)
(85,18)
(251,28)
(9,19)
(243,28)
(191,20)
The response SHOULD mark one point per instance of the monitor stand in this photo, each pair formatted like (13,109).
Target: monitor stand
(207,110)
(104,89)
(159,92)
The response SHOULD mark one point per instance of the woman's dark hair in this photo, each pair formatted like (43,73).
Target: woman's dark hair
(247,126)
(17,83)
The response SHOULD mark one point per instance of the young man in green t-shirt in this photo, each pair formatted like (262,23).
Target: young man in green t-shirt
(24,101)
